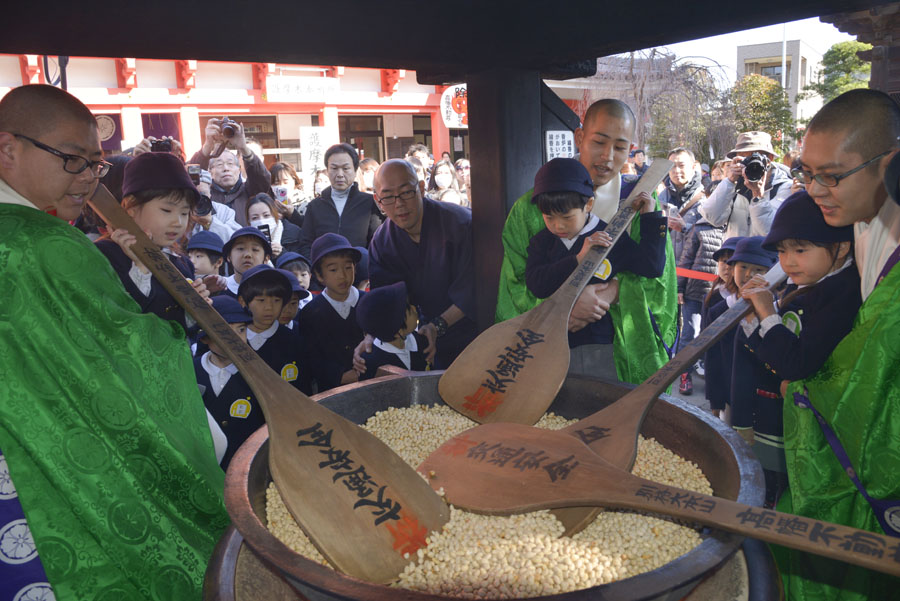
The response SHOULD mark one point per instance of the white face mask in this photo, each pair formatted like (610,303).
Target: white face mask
(320,187)
(269,221)
(443,180)
(369,179)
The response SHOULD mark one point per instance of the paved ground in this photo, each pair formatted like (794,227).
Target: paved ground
(698,397)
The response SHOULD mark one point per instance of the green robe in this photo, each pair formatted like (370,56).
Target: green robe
(101,422)
(857,391)
(638,350)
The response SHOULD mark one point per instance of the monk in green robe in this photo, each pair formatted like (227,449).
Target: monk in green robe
(848,147)
(101,423)
(645,316)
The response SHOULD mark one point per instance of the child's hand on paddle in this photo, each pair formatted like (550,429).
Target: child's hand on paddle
(125,242)
(756,292)
(595,239)
(644,203)
(201,289)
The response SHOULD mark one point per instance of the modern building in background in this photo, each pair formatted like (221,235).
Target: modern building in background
(293,111)
(802,66)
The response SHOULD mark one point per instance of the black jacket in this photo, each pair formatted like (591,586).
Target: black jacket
(697,254)
(357,223)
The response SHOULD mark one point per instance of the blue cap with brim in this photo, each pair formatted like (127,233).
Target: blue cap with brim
(230,310)
(247,231)
(799,218)
(329,243)
(563,175)
(287,257)
(295,283)
(382,312)
(727,246)
(207,241)
(750,250)
(262,270)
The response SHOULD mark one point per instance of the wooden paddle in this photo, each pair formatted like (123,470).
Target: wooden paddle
(361,505)
(512,468)
(612,432)
(513,370)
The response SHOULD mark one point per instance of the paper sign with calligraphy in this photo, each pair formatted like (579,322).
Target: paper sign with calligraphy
(454,107)
(293,88)
(560,143)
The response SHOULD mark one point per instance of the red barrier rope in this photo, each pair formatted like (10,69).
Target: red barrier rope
(695,275)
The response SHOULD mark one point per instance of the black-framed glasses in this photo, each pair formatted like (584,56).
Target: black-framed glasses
(405,196)
(828,180)
(72,163)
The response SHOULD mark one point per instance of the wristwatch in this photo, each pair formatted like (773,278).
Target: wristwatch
(440,324)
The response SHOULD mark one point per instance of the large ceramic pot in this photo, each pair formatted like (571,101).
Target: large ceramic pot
(683,428)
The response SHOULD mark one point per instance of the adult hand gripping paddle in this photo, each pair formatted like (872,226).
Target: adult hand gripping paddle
(361,505)
(512,468)
(513,370)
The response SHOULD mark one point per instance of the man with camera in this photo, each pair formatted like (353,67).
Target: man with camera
(754,187)
(228,187)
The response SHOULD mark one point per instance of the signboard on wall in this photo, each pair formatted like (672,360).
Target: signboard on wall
(313,144)
(454,107)
(560,143)
(295,88)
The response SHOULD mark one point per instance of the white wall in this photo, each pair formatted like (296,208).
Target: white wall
(10,75)
(289,125)
(224,75)
(156,74)
(91,73)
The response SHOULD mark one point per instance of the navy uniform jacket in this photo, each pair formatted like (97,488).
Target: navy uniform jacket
(379,357)
(719,356)
(549,263)
(159,302)
(329,340)
(284,352)
(235,409)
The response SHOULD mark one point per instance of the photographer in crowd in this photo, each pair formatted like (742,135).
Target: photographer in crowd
(754,187)
(228,187)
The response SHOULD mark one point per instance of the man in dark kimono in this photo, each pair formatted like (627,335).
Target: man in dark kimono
(428,245)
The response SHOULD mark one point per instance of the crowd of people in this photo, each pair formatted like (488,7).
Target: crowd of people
(119,415)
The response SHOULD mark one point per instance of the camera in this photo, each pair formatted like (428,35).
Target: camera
(229,127)
(161,146)
(203,206)
(194,171)
(755,166)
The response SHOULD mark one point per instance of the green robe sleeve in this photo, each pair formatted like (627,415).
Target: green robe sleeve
(857,391)
(101,422)
(522,223)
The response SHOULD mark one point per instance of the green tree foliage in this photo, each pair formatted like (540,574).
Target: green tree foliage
(842,70)
(761,104)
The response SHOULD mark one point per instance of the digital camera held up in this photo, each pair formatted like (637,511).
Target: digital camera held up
(755,166)
(229,127)
(160,145)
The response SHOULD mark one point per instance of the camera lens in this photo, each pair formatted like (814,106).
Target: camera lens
(755,167)
(203,206)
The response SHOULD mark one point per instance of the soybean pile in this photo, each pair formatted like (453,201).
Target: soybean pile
(503,557)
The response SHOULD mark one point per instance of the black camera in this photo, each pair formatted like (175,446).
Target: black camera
(229,127)
(755,166)
(161,146)
(203,206)
(194,170)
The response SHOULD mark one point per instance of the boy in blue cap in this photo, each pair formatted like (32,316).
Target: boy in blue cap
(791,342)
(205,252)
(719,357)
(387,314)
(299,266)
(264,291)
(288,317)
(226,395)
(328,323)
(247,248)
(564,193)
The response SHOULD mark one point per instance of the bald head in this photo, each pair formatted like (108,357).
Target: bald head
(34,110)
(395,165)
(868,120)
(613,108)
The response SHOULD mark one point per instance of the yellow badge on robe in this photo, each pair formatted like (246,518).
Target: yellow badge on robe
(289,372)
(241,408)
(603,270)
(791,321)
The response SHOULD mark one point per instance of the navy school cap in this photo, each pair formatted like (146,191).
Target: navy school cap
(206,240)
(264,270)
(287,257)
(247,231)
(727,246)
(295,283)
(329,243)
(230,310)
(750,250)
(156,171)
(382,312)
(798,217)
(563,175)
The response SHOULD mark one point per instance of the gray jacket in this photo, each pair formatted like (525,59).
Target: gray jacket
(734,210)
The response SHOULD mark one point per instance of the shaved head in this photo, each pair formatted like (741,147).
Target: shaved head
(34,110)
(869,121)
(392,164)
(613,108)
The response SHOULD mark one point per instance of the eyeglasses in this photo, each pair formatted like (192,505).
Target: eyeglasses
(406,195)
(828,180)
(72,163)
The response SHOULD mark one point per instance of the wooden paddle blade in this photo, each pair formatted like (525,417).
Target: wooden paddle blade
(513,370)
(360,504)
(511,468)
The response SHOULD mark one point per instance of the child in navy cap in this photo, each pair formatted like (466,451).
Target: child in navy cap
(792,341)
(159,195)
(299,266)
(264,291)
(247,248)
(329,321)
(719,357)
(228,398)
(386,314)
(205,252)
(288,315)
(564,192)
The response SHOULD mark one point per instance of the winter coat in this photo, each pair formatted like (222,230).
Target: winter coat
(357,222)
(697,254)
(734,209)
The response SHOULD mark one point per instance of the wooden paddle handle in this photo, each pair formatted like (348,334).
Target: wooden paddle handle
(569,291)
(861,547)
(252,368)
